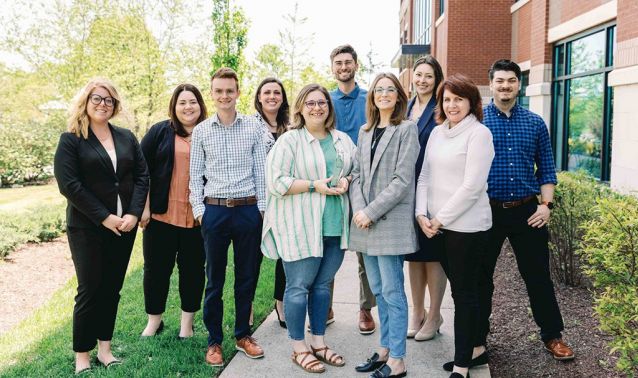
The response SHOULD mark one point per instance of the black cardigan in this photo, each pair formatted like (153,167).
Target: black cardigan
(85,176)
(158,146)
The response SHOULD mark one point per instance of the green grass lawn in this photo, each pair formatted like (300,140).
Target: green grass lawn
(12,199)
(41,345)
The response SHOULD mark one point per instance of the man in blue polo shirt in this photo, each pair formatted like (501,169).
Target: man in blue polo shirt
(350,108)
(523,168)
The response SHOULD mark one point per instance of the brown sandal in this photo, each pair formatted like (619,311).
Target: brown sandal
(310,366)
(332,360)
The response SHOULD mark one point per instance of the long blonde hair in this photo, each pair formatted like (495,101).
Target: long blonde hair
(78,121)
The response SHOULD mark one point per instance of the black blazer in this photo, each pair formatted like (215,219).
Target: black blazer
(158,146)
(86,177)
(425,125)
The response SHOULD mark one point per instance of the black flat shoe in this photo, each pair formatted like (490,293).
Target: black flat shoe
(182,338)
(371,364)
(459,375)
(86,370)
(385,372)
(481,359)
(282,323)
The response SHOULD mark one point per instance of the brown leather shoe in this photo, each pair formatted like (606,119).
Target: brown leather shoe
(331,317)
(366,322)
(214,355)
(559,349)
(249,346)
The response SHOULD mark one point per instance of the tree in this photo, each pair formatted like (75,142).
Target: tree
(295,46)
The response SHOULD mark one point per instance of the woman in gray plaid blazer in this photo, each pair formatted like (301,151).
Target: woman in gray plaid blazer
(382,197)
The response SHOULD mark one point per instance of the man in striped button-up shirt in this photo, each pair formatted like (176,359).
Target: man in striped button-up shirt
(227,193)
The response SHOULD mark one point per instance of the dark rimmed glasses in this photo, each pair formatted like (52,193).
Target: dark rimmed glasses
(96,99)
(312,103)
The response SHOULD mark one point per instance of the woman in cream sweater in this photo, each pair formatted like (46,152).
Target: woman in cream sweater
(452,204)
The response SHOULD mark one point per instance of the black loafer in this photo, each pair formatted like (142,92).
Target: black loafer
(459,375)
(386,372)
(481,359)
(371,364)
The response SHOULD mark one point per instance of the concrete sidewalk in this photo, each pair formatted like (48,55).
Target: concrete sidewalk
(424,359)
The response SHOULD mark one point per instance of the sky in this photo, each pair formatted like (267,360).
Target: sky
(361,23)
(365,24)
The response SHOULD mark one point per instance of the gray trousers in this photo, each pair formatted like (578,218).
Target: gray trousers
(366,298)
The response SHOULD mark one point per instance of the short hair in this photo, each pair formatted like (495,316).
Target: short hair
(505,65)
(343,49)
(436,67)
(373,116)
(78,121)
(298,121)
(461,86)
(174,121)
(283,115)
(225,73)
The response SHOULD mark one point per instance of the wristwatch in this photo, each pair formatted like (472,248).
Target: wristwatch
(549,204)
(311,187)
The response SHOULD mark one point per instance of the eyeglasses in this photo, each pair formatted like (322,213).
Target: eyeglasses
(96,99)
(312,103)
(388,90)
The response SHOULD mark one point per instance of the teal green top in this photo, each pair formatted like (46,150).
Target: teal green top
(332,212)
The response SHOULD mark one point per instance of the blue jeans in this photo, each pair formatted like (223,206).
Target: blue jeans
(308,286)
(385,275)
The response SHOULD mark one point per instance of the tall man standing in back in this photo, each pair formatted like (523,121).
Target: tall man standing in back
(350,108)
(523,168)
(227,193)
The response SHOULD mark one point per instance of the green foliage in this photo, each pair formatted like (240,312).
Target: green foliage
(610,250)
(26,150)
(38,224)
(229,36)
(575,196)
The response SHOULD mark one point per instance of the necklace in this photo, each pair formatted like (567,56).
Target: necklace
(376,136)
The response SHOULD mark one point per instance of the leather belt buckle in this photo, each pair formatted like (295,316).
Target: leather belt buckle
(510,204)
(230,202)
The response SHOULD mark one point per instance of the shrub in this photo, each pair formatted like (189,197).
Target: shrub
(575,196)
(39,224)
(610,250)
(26,151)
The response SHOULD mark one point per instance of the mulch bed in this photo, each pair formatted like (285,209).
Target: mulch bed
(514,343)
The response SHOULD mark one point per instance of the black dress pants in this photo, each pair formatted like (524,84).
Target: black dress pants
(100,258)
(462,254)
(163,245)
(280,280)
(530,245)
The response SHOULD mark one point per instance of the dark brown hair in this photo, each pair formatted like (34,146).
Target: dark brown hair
(283,117)
(298,121)
(373,117)
(225,73)
(175,123)
(461,86)
(436,67)
(343,49)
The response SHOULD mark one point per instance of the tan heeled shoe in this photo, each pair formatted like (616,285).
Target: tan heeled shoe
(411,332)
(429,330)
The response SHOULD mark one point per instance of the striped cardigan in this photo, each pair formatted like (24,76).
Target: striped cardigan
(293,223)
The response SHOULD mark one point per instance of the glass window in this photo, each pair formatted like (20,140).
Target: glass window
(582,102)
(522,98)
(586,100)
(587,54)
(441,7)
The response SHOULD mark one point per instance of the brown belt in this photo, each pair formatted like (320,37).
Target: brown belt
(231,202)
(511,204)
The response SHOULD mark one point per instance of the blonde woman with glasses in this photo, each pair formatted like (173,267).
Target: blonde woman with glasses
(101,171)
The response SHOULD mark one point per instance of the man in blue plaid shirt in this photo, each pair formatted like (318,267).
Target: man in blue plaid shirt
(523,168)
(228,196)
